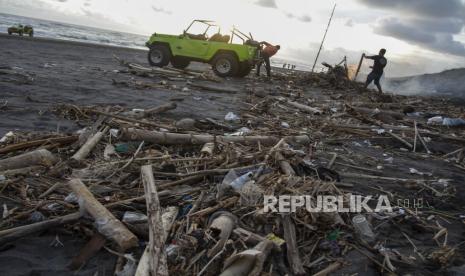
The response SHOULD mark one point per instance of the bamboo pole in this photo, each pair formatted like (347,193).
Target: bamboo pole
(167,138)
(324,37)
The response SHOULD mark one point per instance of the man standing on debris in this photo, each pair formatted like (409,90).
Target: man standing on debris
(378,69)
(269,51)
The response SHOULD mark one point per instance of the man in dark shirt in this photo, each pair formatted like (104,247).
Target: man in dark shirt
(378,68)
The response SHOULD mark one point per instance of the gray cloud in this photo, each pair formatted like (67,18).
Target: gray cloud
(425,8)
(417,32)
(161,10)
(267,3)
(427,23)
(304,18)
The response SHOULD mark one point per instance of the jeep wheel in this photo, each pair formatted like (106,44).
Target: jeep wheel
(244,69)
(179,62)
(225,65)
(159,55)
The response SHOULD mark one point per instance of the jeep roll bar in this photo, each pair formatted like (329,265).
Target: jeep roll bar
(209,24)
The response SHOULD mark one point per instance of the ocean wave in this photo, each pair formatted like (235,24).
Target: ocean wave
(60,30)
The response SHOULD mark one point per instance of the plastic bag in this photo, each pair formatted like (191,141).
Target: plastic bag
(231,117)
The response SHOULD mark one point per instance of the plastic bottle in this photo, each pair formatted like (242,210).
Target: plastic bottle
(363,228)
(453,122)
(241,180)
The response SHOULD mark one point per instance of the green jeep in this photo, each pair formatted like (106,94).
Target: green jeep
(20,29)
(228,59)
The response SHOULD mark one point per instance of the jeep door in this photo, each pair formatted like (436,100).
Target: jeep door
(193,48)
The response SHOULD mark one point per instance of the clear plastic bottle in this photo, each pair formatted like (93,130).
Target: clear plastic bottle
(241,180)
(363,228)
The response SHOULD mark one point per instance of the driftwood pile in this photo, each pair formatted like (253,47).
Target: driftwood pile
(169,198)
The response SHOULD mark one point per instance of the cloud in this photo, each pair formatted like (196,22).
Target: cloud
(437,38)
(349,23)
(161,10)
(267,3)
(430,24)
(304,18)
(423,8)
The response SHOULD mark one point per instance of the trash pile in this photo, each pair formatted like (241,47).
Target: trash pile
(188,197)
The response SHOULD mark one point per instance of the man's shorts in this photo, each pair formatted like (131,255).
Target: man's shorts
(373,76)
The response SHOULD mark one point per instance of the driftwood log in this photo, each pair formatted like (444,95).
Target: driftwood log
(293,256)
(168,218)
(41,157)
(21,231)
(160,109)
(89,145)
(107,224)
(36,143)
(305,108)
(249,262)
(167,138)
(158,264)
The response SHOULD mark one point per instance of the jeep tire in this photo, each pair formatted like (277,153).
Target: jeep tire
(180,62)
(159,55)
(225,65)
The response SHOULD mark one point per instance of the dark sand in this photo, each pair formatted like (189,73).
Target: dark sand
(81,74)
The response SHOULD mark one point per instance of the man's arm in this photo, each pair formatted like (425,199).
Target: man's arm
(370,57)
(266,43)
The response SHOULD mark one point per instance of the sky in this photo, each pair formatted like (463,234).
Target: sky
(421,36)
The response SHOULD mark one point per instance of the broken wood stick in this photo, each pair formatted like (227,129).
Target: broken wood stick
(329,269)
(87,251)
(286,168)
(167,138)
(21,231)
(167,218)
(36,143)
(423,143)
(156,248)
(160,109)
(107,224)
(400,139)
(293,256)
(130,120)
(305,108)
(41,157)
(89,145)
